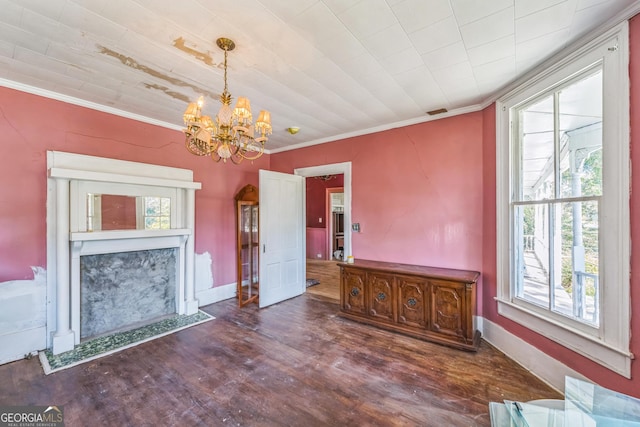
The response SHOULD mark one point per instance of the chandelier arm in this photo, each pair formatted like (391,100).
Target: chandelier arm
(195,146)
(236,160)
(236,157)
(215,157)
(258,153)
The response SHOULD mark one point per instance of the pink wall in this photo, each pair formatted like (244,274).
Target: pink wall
(317,199)
(416,191)
(30,125)
(316,243)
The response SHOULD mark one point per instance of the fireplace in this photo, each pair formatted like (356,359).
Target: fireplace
(100,279)
(124,290)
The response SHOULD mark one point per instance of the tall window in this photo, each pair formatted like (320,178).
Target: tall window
(557,141)
(563,202)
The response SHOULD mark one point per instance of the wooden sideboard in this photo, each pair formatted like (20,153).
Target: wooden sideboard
(434,304)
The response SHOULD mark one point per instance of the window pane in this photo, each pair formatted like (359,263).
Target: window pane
(152,205)
(559,270)
(580,115)
(532,252)
(165,206)
(577,294)
(537,151)
(151,223)
(562,300)
(165,223)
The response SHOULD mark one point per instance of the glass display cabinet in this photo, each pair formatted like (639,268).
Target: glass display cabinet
(247,212)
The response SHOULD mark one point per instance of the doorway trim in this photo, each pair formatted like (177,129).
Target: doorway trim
(331,169)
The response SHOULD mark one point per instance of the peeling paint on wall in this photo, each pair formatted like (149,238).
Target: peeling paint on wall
(203,276)
(23,311)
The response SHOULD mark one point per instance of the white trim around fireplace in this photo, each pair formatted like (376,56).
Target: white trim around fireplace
(70,178)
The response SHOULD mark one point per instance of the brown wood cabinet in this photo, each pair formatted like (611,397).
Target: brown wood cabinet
(434,304)
(248,247)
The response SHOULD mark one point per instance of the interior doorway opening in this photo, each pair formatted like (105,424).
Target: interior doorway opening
(322,269)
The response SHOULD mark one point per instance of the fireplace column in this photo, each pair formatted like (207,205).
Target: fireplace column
(190,283)
(63,339)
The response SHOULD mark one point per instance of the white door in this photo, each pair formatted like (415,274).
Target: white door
(282,251)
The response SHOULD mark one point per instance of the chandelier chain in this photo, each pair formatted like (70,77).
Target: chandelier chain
(226,91)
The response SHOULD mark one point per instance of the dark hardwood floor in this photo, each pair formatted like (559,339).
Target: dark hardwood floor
(295,363)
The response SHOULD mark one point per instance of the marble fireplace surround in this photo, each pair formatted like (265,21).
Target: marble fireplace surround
(70,178)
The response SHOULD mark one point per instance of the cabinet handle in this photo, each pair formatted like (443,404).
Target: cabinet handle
(264,248)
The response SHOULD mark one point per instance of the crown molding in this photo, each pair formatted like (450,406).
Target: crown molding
(375,129)
(83,103)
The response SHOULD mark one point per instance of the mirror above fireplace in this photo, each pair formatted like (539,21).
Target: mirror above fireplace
(122,212)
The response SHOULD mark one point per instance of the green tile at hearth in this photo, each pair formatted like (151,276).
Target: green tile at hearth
(108,343)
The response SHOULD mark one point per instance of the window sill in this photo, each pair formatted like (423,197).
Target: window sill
(615,359)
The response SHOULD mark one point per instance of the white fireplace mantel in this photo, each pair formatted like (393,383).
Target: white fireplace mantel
(70,178)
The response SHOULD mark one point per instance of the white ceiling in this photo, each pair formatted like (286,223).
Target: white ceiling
(331,67)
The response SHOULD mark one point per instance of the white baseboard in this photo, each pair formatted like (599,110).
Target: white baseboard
(529,357)
(219,293)
(17,345)
(478,322)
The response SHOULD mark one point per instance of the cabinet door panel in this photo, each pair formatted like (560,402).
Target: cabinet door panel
(412,302)
(447,308)
(381,296)
(353,291)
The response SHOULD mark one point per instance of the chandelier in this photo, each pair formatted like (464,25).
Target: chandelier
(232,135)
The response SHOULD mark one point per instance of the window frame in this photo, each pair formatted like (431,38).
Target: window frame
(548,201)
(607,345)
